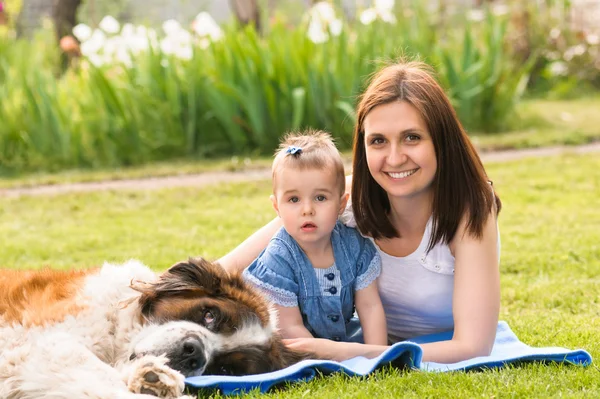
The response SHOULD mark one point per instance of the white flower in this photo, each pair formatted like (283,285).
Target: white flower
(384,5)
(322,21)
(136,43)
(500,9)
(82,32)
(592,39)
(579,49)
(335,27)
(387,17)
(167,46)
(204,43)
(123,56)
(184,52)
(128,30)
(368,16)
(382,9)
(324,11)
(316,31)
(96,60)
(475,15)
(94,44)
(205,26)
(574,51)
(554,33)
(559,68)
(111,45)
(110,25)
(551,55)
(171,27)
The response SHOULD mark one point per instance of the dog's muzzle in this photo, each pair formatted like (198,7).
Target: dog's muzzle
(188,358)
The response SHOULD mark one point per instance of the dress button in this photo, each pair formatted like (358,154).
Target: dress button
(330,276)
(336,338)
(437,267)
(334,317)
(332,290)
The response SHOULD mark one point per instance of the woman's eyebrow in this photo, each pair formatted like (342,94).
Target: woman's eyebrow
(405,131)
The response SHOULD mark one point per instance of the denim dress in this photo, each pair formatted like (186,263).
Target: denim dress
(325,297)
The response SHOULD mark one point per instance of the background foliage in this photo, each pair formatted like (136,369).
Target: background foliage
(237,94)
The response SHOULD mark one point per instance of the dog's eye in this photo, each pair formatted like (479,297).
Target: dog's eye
(208,317)
(225,371)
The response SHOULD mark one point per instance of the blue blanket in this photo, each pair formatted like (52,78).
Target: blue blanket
(507,349)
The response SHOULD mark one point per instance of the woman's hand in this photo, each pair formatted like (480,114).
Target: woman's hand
(331,350)
(322,348)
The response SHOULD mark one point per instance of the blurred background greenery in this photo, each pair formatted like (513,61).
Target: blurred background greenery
(94,86)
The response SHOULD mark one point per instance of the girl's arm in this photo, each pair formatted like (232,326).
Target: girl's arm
(290,323)
(250,248)
(371,315)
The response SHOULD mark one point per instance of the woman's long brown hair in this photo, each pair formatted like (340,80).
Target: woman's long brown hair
(460,185)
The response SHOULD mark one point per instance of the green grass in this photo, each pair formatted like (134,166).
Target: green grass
(548,122)
(540,123)
(155,169)
(550,263)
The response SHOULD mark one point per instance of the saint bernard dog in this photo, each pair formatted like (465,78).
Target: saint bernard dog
(123,331)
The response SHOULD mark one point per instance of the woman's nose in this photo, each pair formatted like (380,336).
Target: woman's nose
(397,156)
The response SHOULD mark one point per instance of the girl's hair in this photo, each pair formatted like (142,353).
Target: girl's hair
(311,149)
(460,185)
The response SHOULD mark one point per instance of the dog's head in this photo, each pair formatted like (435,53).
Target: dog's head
(207,321)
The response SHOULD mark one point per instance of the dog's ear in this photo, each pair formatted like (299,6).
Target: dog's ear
(196,277)
(195,273)
(282,356)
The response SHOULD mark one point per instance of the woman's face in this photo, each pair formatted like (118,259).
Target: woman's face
(400,152)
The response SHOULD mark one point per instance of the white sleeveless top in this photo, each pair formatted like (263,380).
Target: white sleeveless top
(416,290)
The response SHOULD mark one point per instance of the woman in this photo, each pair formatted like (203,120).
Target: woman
(420,191)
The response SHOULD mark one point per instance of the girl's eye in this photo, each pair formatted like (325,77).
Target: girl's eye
(294,200)
(412,138)
(377,140)
(320,198)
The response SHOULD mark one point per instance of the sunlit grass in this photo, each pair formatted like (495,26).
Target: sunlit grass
(548,122)
(540,123)
(550,228)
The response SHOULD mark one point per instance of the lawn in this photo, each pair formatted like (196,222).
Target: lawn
(550,228)
(538,123)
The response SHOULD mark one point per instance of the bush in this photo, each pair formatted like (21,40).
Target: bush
(138,96)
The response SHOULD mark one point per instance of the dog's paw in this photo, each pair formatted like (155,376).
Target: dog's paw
(151,376)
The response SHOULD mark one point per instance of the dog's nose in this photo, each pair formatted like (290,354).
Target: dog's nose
(192,354)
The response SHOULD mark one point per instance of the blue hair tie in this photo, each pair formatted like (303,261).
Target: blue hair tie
(293,150)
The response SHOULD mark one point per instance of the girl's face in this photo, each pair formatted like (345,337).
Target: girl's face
(308,202)
(399,150)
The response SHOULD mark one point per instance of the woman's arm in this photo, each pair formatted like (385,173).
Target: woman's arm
(371,315)
(250,248)
(290,323)
(331,350)
(476,299)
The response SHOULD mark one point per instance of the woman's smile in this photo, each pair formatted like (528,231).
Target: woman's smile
(403,174)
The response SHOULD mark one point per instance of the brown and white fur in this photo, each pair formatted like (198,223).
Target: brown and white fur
(126,332)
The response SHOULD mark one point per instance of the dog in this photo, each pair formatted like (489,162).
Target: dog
(122,331)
